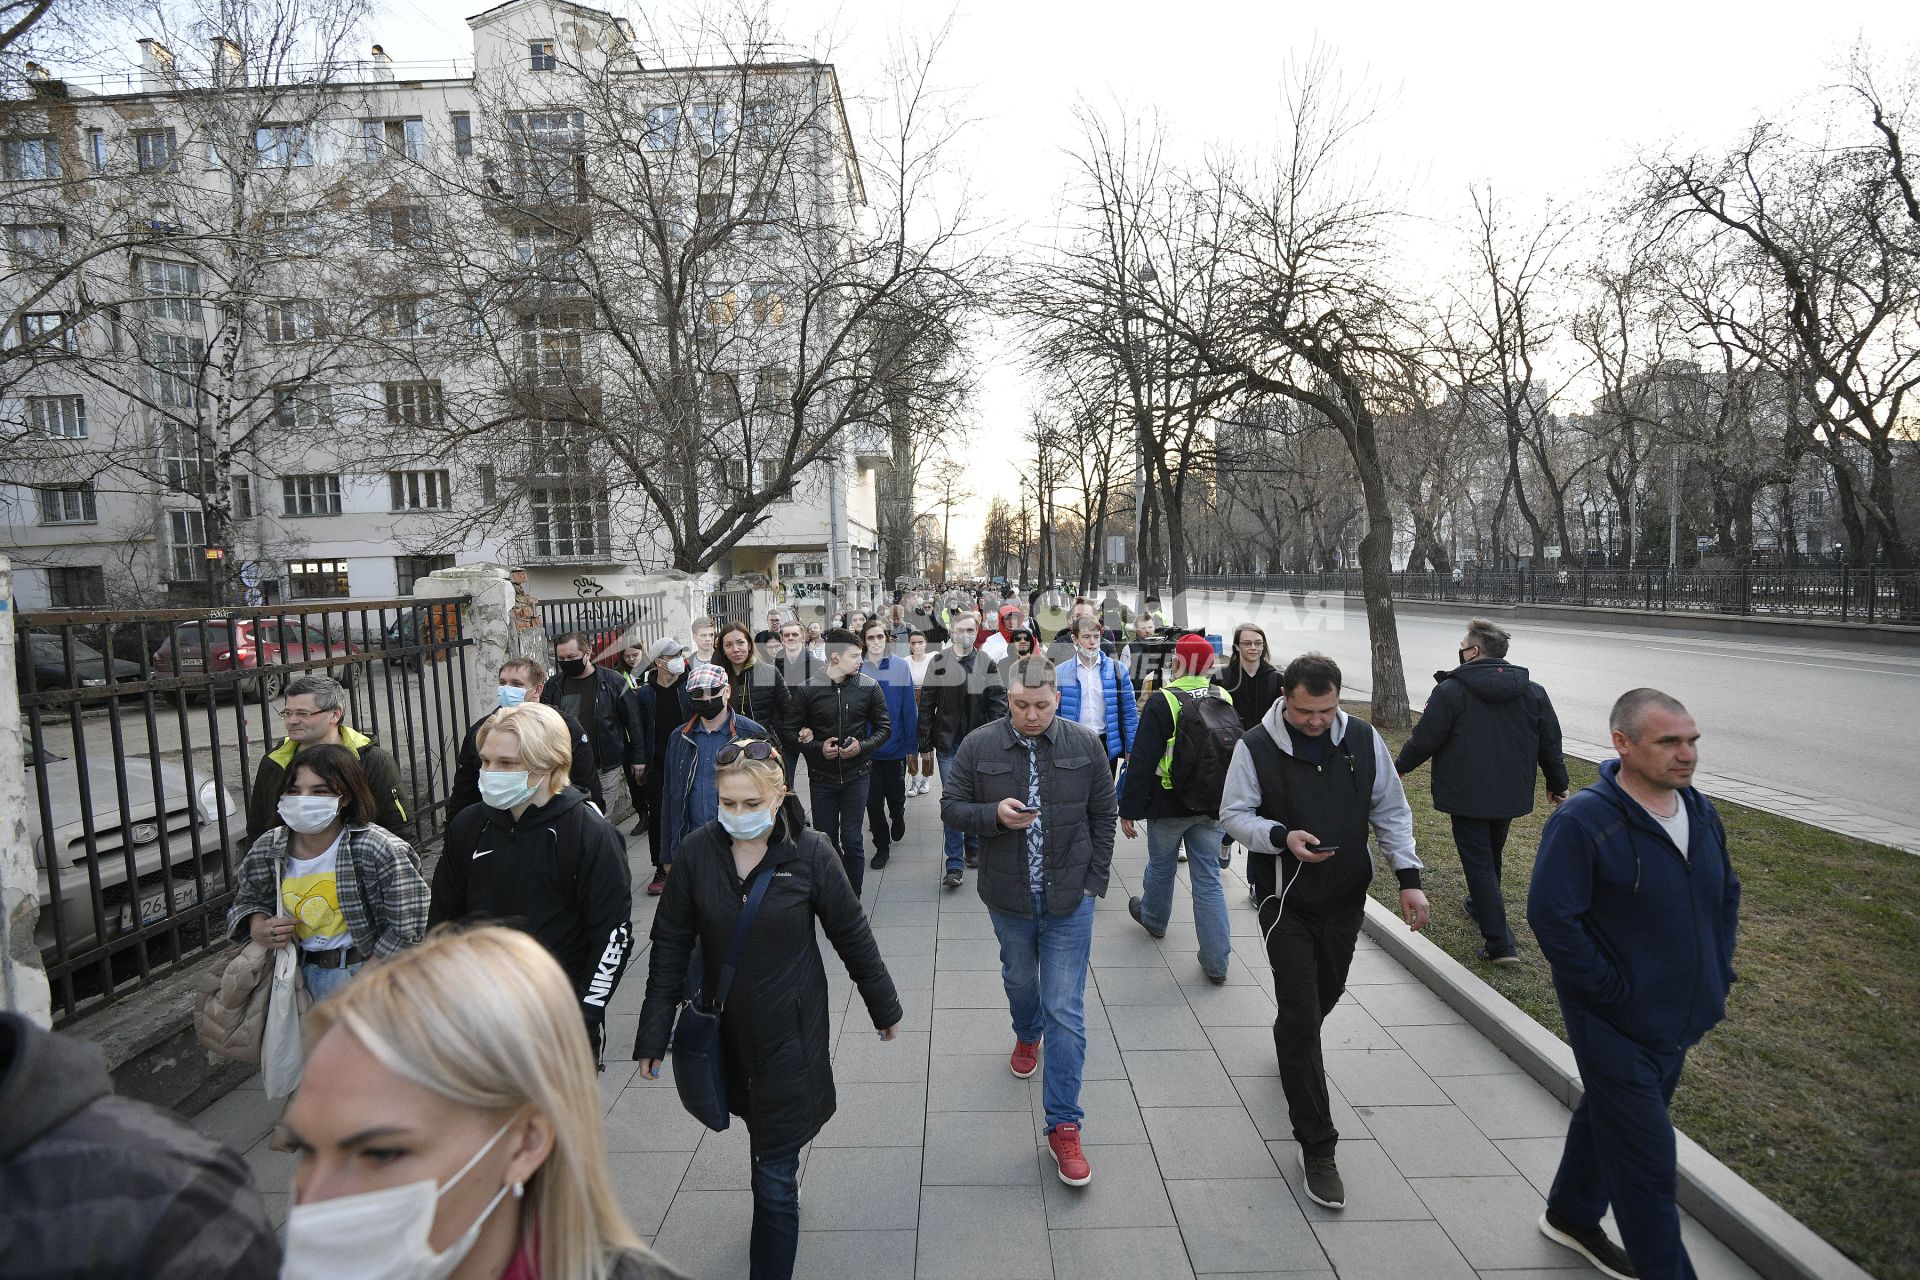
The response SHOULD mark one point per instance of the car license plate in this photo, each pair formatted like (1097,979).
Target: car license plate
(191,664)
(91,684)
(153,906)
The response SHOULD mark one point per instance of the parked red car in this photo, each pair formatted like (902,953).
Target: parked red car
(235,645)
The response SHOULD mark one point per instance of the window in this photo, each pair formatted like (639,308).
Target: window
(404,227)
(97,151)
(559,447)
(549,155)
(551,259)
(570,520)
(722,305)
(760,123)
(23,159)
(663,128)
(186,546)
(773,389)
(761,215)
(721,395)
(70,505)
(317,579)
(310,495)
(769,304)
(408,570)
(462,134)
(283,145)
(714,206)
(404,138)
(541,55)
(155,150)
(405,317)
(489,484)
(415,404)
(708,126)
(174,363)
(552,347)
(33,242)
(302,407)
(183,461)
(420,490)
(285,235)
(173,289)
(64,417)
(52,330)
(294,320)
(246,503)
(76,587)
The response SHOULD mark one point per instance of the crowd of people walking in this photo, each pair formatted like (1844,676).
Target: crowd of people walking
(447,1124)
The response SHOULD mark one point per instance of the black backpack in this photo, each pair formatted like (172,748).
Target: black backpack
(1206,731)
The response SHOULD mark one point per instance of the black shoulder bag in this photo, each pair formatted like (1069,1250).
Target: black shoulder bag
(699,1059)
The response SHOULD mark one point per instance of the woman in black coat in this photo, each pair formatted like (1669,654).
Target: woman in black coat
(760,692)
(774,1025)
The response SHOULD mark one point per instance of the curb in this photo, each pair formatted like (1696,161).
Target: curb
(1767,1237)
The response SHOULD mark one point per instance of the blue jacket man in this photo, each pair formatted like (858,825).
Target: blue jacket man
(689,797)
(1634,902)
(1119,711)
(887,792)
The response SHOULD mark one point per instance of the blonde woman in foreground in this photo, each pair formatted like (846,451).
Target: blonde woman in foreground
(448,1126)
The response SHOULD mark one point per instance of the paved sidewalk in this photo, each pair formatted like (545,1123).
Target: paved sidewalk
(935,1165)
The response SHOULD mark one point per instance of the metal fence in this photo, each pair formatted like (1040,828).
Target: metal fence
(1872,595)
(145,731)
(730,606)
(610,623)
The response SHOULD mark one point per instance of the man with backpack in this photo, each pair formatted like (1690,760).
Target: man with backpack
(1187,735)
(1305,786)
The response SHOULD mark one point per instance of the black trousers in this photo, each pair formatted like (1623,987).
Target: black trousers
(1310,954)
(656,797)
(887,791)
(1480,842)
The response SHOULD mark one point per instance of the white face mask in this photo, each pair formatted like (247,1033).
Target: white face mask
(676,666)
(309,814)
(381,1235)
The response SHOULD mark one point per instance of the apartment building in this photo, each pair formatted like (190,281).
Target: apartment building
(306,333)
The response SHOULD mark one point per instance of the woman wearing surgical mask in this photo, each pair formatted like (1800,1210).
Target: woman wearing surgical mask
(538,855)
(774,1024)
(448,1127)
(329,881)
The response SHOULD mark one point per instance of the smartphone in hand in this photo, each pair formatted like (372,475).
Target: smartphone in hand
(1323,848)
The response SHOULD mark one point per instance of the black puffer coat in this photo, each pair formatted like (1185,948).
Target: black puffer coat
(774,1027)
(1486,727)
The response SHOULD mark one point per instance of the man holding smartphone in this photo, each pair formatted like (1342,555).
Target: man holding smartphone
(839,718)
(1304,787)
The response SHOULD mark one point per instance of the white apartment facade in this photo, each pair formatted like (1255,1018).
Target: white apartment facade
(101,504)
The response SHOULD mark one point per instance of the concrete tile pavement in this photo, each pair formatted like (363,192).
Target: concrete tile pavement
(935,1166)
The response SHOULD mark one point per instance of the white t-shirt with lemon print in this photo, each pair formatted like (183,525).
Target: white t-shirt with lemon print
(310,894)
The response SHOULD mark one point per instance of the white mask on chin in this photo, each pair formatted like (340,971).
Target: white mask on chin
(381,1235)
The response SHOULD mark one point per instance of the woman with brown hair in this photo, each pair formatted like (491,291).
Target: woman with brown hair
(327,880)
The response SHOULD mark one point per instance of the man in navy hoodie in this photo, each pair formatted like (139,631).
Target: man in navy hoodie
(1634,903)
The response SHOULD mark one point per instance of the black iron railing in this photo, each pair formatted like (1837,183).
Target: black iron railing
(145,731)
(610,623)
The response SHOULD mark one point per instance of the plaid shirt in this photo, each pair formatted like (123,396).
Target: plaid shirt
(381,891)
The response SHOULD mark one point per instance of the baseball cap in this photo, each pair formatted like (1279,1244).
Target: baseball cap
(664,647)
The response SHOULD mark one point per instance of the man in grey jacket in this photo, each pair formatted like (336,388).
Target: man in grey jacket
(1304,787)
(1036,790)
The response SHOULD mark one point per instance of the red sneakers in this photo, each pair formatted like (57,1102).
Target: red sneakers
(1064,1143)
(658,885)
(1026,1057)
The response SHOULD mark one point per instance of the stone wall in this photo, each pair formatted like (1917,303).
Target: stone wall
(23,983)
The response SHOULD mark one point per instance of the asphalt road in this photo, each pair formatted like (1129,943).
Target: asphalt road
(1839,722)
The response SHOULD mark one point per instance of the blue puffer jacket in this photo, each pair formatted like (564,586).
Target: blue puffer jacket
(1123,710)
(1635,933)
(895,679)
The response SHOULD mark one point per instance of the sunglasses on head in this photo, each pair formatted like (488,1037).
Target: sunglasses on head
(751,748)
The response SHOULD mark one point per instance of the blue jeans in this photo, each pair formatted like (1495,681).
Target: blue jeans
(1043,965)
(323,982)
(957,843)
(1202,837)
(776,1218)
(1620,1145)
(838,808)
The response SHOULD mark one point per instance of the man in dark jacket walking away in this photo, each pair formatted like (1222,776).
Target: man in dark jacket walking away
(961,692)
(840,720)
(98,1187)
(598,698)
(1305,788)
(536,856)
(1486,728)
(521,680)
(1034,787)
(661,703)
(1635,903)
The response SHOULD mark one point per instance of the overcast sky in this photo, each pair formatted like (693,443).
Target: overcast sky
(1540,100)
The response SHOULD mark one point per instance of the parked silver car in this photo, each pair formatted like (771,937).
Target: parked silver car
(124,905)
